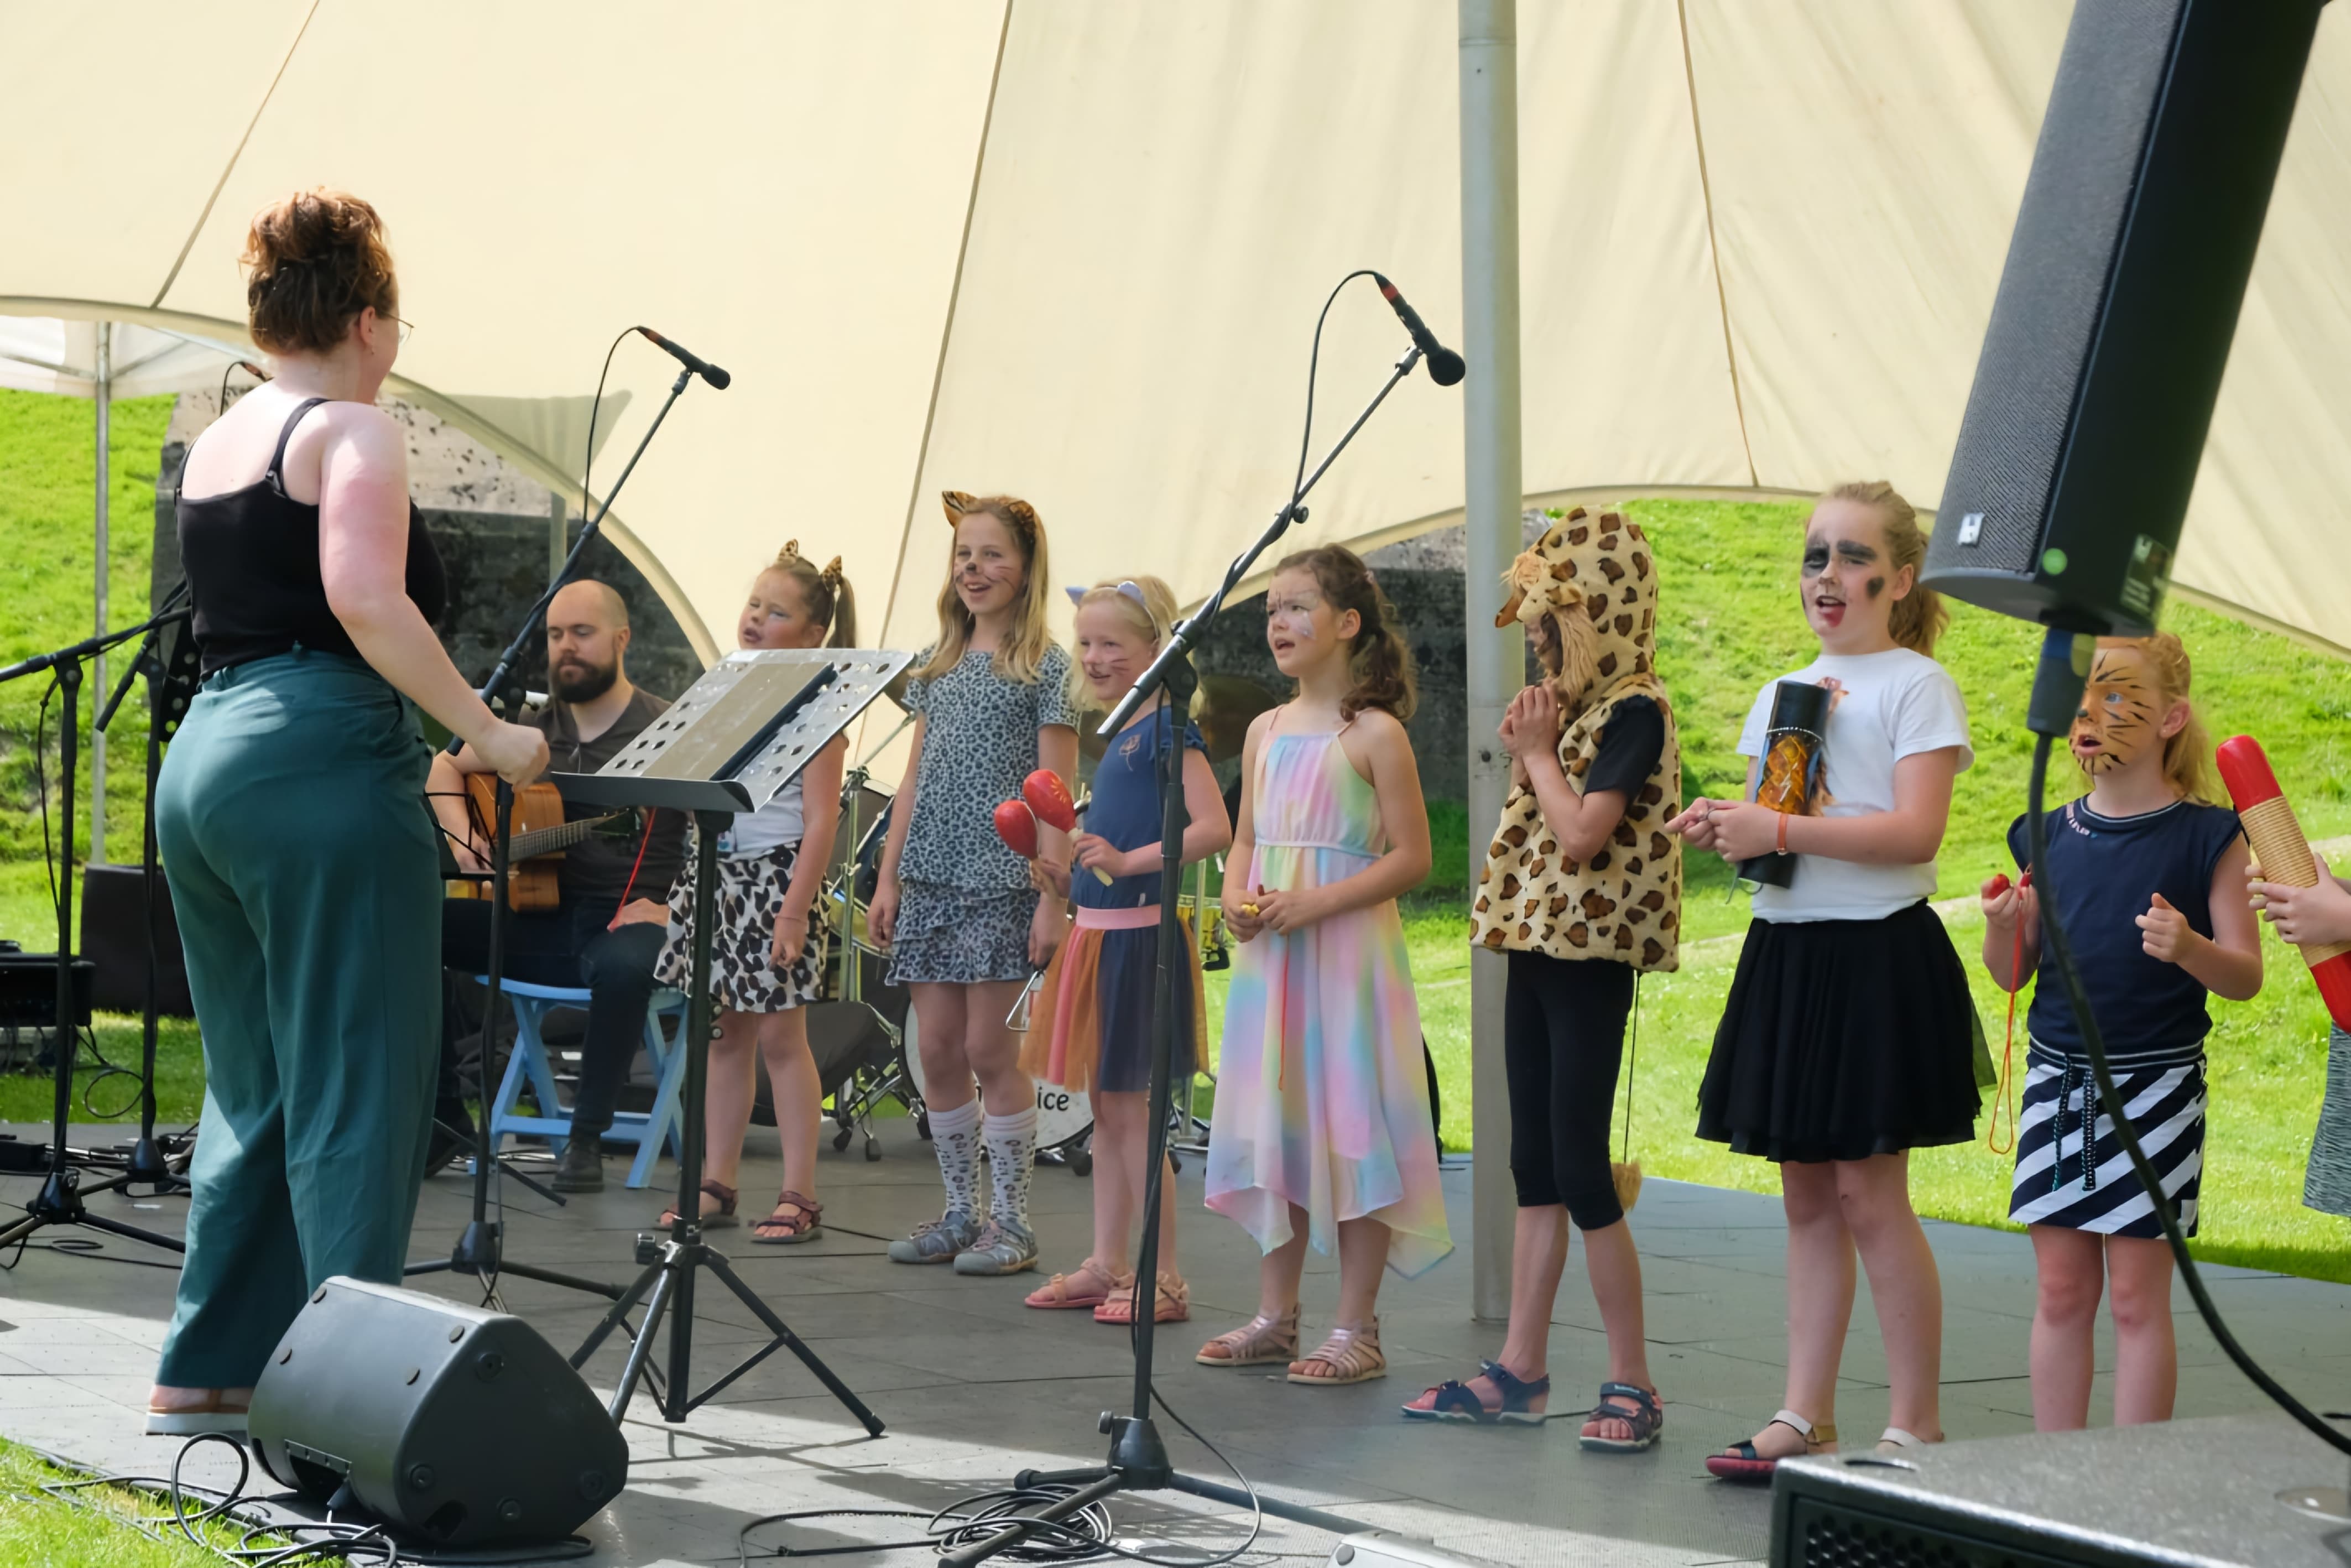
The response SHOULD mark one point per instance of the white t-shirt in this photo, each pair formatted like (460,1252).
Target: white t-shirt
(772,826)
(1893,704)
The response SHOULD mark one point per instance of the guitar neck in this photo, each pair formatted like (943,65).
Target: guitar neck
(547,841)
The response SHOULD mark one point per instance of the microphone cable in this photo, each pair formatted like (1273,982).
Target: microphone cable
(2037,838)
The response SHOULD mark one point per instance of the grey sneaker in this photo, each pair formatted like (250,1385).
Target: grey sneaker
(1003,1247)
(937,1240)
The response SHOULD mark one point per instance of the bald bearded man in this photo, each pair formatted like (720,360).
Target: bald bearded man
(607,927)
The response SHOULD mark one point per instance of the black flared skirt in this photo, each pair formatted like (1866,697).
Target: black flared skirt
(1843,1038)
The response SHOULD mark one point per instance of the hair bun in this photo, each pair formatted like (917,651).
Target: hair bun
(315,260)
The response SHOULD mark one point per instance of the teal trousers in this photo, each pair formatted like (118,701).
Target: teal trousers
(293,826)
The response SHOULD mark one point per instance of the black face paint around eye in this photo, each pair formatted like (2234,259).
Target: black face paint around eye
(1816,559)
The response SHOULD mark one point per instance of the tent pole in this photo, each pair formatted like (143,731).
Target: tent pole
(559,542)
(1491,509)
(98,737)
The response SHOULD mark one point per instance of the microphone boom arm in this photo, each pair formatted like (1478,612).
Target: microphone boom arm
(1189,631)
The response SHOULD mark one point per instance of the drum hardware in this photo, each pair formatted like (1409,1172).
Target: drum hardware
(1017,1020)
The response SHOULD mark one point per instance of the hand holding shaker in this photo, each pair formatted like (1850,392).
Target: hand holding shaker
(1794,759)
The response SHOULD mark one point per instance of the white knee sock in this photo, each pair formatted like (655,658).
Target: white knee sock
(1011,1156)
(956,1135)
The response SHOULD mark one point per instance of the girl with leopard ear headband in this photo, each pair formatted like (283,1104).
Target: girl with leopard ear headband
(768,958)
(963,923)
(1581,892)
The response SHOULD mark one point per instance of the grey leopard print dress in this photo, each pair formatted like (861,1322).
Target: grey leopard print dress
(964,903)
(743,975)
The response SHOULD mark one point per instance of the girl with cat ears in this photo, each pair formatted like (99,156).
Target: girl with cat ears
(963,923)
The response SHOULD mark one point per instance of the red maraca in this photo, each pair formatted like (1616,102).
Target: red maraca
(1048,797)
(2284,856)
(1018,828)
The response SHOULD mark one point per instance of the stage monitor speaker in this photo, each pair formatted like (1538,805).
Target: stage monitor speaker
(2111,328)
(456,1425)
(28,990)
(114,938)
(2256,1490)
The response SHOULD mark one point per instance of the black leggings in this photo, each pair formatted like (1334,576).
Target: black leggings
(1562,1038)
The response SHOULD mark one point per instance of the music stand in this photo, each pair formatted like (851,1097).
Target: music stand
(729,745)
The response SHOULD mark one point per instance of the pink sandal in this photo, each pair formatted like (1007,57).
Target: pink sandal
(1090,1286)
(1171,1303)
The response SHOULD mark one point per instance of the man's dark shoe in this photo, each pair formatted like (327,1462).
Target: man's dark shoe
(581,1168)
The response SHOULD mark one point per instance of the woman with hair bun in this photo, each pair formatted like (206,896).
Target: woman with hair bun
(291,816)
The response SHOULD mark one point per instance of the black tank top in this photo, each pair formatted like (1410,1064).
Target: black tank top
(252,559)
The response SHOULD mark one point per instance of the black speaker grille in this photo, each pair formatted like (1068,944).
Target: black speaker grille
(2052,288)
(1833,1537)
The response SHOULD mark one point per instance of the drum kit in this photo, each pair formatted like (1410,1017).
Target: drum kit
(874,1022)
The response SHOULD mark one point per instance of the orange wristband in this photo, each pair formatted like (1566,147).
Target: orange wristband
(1783,832)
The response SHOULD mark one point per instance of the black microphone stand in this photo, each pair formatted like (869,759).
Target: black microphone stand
(59,1201)
(1138,1457)
(480,1249)
(166,1174)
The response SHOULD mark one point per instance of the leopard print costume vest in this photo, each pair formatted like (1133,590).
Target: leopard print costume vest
(1597,578)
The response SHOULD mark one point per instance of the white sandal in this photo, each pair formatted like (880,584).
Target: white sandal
(1895,1439)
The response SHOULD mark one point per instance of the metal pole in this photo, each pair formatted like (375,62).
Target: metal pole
(98,739)
(1491,503)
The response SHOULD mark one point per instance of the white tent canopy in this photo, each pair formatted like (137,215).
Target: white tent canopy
(1072,249)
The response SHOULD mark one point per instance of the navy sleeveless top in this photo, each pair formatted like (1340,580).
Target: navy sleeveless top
(1126,808)
(252,559)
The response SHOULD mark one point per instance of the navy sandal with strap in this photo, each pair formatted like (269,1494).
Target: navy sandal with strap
(1456,1401)
(1647,1418)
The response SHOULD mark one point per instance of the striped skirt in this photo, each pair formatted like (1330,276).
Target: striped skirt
(2076,1177)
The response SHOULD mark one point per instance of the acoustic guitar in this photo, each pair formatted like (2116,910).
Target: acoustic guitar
(537,839)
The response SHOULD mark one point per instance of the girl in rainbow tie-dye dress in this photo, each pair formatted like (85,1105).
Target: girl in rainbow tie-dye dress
(1322,1128)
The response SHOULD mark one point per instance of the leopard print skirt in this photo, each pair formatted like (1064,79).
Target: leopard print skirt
(743,974)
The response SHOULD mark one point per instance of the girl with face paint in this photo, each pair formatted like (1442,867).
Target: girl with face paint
(2150,870)
(958,909)
(1848,1036)
(1322,1135)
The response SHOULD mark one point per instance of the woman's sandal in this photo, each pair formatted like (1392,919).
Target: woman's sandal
(1741,1462)
(1260,1342)
(1895,1439)
(1171,1303)
(1089,1286)
(1456,1401)
(712,1219)
(1353,1354)
(1636,1408)
(781,1229)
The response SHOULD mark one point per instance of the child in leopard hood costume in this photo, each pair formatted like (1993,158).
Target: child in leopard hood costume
(1582,891)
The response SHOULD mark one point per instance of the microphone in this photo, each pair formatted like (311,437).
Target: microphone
(1444,366)
(718,378)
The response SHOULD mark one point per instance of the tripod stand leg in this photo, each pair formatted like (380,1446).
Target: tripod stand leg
(1296,1513)
(1015,1531)
(131,1232)
(789,1341)
(633,1370)
(617,1316)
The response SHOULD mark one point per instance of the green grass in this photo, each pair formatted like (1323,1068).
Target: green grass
(47,512)
(39,1530)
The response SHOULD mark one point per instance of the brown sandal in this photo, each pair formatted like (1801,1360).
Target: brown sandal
(1260,1342)
(781,1229)
(1353,1354)
(1171,1303)
(713,1218)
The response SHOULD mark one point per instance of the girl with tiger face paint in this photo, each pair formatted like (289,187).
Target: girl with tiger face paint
(2150,866)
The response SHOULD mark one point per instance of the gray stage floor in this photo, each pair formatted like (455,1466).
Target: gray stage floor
(972,1386)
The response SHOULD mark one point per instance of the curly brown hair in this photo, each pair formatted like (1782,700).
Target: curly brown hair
(1380,661)
(313,262)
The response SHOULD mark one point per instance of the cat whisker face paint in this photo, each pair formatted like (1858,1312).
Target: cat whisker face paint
(2121,712)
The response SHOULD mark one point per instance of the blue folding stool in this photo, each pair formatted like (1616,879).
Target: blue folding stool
(649,1130)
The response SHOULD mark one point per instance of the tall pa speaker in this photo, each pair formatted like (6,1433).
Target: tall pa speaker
(2111,328)
(454,1426)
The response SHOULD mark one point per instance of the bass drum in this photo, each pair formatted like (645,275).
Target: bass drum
(1064,1116)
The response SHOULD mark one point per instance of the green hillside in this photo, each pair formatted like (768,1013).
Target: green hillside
(1729,623)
